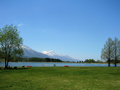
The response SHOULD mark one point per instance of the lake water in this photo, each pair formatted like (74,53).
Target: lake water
(50,64)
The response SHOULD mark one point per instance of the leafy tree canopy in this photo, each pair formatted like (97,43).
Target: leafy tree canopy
(10,43)
(89,61)
(111,51)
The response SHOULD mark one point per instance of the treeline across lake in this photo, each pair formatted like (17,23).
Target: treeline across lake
(99,61)
(36,59)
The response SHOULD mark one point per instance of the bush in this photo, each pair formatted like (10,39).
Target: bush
(54,65)
(23,66)
(15,67)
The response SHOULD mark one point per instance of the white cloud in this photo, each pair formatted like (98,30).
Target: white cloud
(20,24)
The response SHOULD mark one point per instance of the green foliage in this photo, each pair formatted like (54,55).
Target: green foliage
(89,61)
(111,51)
(60,78)
(10,43)
(36,59)
(2,55)
(54,65)
(106,52)
(99,61)
(116,50)
(67,61)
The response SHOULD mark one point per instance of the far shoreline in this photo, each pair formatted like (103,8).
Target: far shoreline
(63,62)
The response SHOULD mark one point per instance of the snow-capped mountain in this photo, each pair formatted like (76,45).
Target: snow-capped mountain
(51,54)
(28,52)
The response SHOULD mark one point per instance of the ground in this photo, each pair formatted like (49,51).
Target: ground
(60,78)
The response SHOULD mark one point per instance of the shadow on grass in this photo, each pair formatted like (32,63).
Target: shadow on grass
(114,73)
(13,68)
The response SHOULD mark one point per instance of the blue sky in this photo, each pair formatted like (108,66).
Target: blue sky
(78,28)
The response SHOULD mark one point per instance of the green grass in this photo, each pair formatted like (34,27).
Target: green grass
(61,78)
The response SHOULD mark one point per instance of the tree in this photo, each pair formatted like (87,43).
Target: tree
(1,55)
(99,61)
(107,51)
(10,43)
(116,51)
(89,61)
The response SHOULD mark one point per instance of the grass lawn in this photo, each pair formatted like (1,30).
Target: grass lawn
(61,78)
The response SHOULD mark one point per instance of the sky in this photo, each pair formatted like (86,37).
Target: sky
(77,28)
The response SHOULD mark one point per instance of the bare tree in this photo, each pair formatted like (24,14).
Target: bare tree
(116,51)
(107,51)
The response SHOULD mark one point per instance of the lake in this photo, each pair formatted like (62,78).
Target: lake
(51,64)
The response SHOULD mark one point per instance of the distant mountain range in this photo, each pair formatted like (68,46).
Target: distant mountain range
(51,54)
(28,53)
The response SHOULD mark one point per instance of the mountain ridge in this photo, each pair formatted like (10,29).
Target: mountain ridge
(28,52)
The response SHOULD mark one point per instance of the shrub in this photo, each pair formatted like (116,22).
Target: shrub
(23,66)
(54,65)
(15,67)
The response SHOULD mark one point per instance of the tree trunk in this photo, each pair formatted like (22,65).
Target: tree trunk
(5,63)
(115,62)
(108,62)
(5,59)
(8,60)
